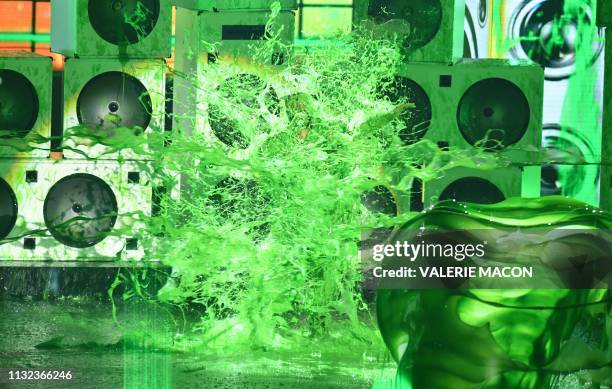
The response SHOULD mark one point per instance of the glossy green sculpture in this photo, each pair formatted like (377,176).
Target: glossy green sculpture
(502,338)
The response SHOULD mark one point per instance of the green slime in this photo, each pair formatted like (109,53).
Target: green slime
(267,243)
(513,338)
(277,267)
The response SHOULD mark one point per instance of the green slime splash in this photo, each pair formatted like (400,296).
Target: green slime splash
(266,242)
(266,246)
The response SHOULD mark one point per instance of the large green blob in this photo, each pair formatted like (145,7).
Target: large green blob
(512,338)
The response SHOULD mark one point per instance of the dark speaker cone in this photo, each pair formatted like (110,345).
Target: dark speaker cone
(416,120)
(495,109)
(550,33)
(18,103)
(8,209)
(550,184)
(566,179)
(473,190)
(123,22)
(80,210)
(245,92)
(422,17)
(114,99)
(380,200)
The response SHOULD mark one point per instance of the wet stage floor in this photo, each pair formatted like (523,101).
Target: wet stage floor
(83,337)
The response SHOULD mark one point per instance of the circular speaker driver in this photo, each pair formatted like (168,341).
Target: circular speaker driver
(226,129)
(551,33)
(495,109)
(550,181)
(123,22)
(80,210)
(416,120)
(424,18)
(114,99)
(18,103)
(8,209)
(246,90)
(473,190)
(379,200)
(567,179)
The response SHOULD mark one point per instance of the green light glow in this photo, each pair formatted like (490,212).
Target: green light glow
(37,38)
(22,37)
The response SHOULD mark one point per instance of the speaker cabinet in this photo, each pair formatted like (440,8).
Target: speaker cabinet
(73,210)
(25,105)
(232,33)
(482,186)
(229,38)
(244,104)
(561,35)
(227,5)
(111,28)
(490,104)
(109,104)
(477,28)
(428,30)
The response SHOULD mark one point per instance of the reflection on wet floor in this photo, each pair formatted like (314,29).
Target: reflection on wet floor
(134,352)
